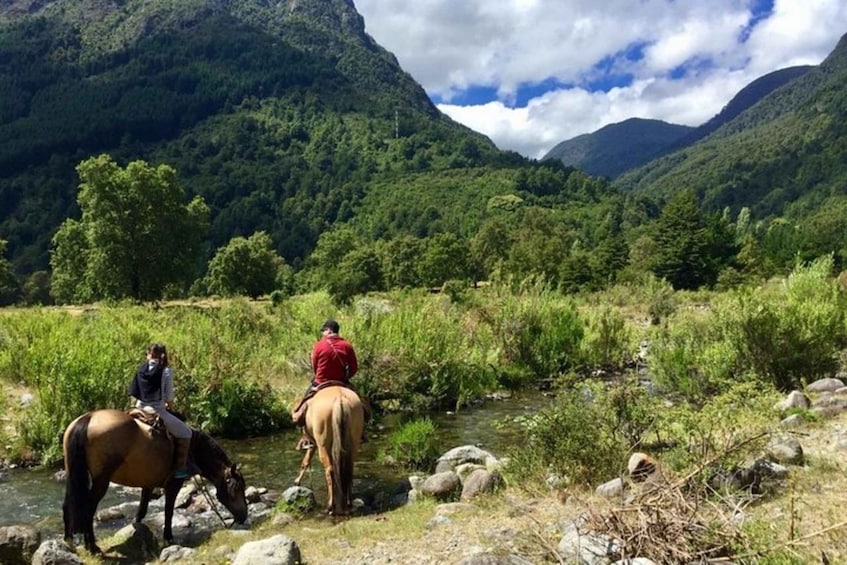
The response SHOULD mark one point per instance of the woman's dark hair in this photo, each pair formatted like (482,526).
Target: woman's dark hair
(160,352)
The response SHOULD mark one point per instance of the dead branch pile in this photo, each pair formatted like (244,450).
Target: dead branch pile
(669,523)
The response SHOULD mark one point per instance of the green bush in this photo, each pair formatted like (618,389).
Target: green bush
(569,439)
(789,335)
(413,446)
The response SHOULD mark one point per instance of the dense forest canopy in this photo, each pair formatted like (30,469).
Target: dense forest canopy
(299,143)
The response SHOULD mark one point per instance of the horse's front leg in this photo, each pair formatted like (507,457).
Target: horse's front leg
(146,493)
(171,490)
(304,465)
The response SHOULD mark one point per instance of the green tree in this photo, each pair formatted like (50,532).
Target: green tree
(36,288)
(136,236)
(10,288)
(400,258)
(245,267)
(489,248)
(444,258)
(681,242)
(359,272)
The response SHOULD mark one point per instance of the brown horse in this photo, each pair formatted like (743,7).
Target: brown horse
(334,420)
(111,446)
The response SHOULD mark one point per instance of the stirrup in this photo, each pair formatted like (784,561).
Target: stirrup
(304,444)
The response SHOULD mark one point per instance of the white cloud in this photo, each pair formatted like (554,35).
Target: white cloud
(449,46)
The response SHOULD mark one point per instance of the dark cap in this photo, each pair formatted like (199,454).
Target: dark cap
(330,325)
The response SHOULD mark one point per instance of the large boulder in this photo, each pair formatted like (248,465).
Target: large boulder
(463,454)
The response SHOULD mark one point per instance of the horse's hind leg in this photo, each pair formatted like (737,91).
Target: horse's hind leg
(98,490)
(304,465)
(323,454)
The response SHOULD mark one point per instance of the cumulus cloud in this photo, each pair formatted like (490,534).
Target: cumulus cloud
(686,58)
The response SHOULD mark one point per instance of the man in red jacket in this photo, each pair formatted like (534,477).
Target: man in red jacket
(333,361)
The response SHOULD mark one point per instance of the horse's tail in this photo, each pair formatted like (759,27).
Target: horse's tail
(342,453)
(77,489)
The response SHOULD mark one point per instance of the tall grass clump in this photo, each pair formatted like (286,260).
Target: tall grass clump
(689,356)
(536,330)
(74,365)
(729,429)
(418,356)
(414,446)
(784,335)
(608,340)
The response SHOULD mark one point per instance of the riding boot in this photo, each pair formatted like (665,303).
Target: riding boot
(180,464)
(298,416)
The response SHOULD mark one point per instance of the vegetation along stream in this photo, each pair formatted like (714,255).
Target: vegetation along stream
(35,497)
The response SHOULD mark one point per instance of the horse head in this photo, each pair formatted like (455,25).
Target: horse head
(230,492)
(227,478)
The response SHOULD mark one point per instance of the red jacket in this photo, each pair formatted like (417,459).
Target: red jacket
(329,357)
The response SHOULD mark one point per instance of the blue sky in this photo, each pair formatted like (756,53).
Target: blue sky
(532,73)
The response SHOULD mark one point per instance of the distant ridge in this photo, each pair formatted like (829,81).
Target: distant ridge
(616,148)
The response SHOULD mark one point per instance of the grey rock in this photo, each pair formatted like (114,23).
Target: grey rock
(479,482)
(18,544)
(55,552)
(825,385)
(442,486)
(277,550)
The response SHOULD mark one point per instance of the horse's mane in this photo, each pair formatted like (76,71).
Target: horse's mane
(209,448)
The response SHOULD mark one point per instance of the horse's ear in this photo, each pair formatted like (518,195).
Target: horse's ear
(234,469)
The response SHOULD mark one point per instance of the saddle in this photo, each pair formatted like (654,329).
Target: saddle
(149,417)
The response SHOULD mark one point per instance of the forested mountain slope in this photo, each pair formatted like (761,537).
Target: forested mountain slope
(277,113)
(616,148)
(782,156)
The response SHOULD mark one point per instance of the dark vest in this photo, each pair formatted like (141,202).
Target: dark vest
(148,383)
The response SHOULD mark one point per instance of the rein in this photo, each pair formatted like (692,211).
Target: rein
(201,486)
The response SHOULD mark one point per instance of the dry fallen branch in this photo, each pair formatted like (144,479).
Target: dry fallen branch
(673,521)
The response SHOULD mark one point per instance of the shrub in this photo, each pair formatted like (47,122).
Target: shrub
(569,439)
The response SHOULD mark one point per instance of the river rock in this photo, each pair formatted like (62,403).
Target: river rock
(301,498)
(795,399)
(579,546)
(277,550)
(786,450)
(481,481)
(442,486)
(825,385)
(640,466)
(55,552)
(176,553)
(18,544)
(463,454)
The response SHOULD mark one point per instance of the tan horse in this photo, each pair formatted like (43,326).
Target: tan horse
(334,420)
(111,446)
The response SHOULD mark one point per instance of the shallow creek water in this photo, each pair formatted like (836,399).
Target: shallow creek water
(35,497)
